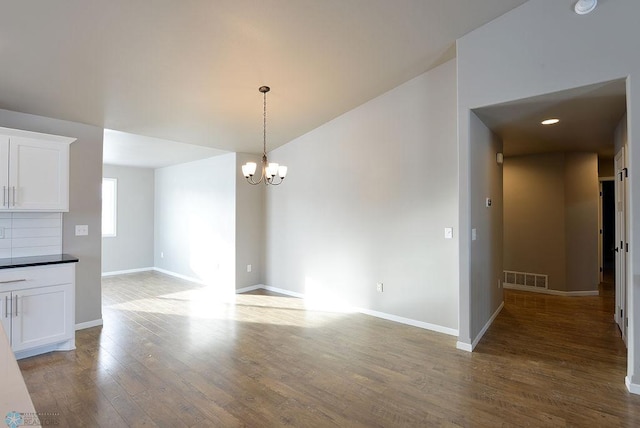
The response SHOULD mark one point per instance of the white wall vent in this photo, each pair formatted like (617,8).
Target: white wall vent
(525,279)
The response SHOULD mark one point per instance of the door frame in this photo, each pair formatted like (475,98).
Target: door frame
(621,236)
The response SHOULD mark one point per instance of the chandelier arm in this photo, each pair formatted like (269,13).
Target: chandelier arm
(278,183)
(272,180)
(251,181)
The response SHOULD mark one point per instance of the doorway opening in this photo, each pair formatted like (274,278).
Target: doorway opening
(552,180)
(607,230)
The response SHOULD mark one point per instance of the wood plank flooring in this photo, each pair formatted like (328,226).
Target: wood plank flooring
(169,356)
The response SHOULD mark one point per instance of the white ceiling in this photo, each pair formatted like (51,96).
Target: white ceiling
(588,117)
(189,71)
(122,148)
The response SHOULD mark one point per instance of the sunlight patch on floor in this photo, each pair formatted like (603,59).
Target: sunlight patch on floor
(205,304)
(319,297)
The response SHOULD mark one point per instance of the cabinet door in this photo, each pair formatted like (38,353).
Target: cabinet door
(38,175)
(5,313)
(4,172)
(44,316)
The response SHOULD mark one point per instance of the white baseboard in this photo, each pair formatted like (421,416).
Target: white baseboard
(464,346)
(552,292)
(409,321)
(285,292)
(377,314)
(249,289)
(185,277)
(124,272)
(383,315)
(68,345)
(88,324)
(633,388)
(470,347)
(179,275)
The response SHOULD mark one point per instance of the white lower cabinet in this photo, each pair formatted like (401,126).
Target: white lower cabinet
(38,308)
(5,313)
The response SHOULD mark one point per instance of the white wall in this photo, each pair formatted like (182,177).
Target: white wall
(486,250)
(85,207)
(537,48)
(249,226)
(195,220)
(367,199)
(132,247)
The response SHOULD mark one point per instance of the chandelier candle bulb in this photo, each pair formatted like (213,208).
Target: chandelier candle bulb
(249,169)
(282,171)
(272,170)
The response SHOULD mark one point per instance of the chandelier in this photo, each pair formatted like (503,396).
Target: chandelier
(269,170)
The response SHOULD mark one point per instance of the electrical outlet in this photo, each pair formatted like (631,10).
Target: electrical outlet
(82,230)
(499,284)
(162,254)
(248,268)
(380,287)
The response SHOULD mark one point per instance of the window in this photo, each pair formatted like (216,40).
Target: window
(109,206)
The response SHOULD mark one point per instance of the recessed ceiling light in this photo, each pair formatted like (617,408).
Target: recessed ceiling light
(550,121)
(583,7)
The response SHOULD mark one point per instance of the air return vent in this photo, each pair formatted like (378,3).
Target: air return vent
(525,280)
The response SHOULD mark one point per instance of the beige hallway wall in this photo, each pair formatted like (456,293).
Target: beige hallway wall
(534,219)
(551,218)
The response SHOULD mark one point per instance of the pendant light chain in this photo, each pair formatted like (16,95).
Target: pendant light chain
(264,124)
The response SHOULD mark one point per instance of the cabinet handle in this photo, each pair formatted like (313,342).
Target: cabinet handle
(4,196)
(16,305)
(6,306)
(14,196)
(13,280)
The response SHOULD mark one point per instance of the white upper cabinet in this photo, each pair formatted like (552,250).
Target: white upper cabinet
(34,171)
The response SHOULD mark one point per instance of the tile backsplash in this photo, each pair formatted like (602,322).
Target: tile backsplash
(30,234)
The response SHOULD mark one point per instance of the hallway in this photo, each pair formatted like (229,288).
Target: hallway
(563,353)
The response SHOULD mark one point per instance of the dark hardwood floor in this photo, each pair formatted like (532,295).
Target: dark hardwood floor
(169,356)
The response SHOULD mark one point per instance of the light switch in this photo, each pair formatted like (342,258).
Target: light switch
(474,234)
(82,230)
(448,233)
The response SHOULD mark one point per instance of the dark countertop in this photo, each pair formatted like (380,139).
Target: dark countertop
(54,259)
